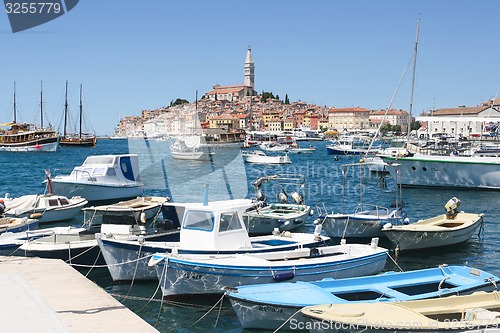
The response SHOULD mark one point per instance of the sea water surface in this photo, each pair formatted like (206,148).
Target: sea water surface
(227,176)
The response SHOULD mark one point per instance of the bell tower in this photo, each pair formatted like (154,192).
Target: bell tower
(249,69)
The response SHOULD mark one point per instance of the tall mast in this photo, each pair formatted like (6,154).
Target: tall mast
(81,111)
(66,109)
(196,119)
(413,78)
(41,104)
(15,111)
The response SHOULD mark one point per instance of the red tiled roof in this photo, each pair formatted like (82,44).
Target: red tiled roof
(459,111)
(356,109)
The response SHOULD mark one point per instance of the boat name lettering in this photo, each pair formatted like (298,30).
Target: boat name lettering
(192,276)
(265,308)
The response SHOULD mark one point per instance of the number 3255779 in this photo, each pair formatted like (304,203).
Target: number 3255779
(32,8)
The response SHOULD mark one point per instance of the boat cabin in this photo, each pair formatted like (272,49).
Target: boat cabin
(123,168)
(215,225)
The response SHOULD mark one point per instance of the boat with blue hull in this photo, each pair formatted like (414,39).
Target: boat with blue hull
(211,229)
(201,275)
(269,306)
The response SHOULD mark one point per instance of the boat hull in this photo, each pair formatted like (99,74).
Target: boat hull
(416,239)
(57,214)
(447,171)
(351,226)
(128,260)
(194,277)
(95,192)
(33,146)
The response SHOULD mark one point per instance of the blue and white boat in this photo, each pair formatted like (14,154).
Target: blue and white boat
(181,275)
(355,145)
(268,306)
(213,228)
(102,177)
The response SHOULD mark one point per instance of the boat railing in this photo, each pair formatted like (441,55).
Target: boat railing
(378,210)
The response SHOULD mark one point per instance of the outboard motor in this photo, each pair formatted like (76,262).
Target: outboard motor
(282,197)
(451,207)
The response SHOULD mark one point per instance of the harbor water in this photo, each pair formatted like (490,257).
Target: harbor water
(329,187)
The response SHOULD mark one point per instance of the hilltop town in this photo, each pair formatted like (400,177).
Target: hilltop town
(237,108)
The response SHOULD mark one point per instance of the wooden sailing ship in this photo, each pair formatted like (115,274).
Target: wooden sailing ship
(79,139)
(23,137)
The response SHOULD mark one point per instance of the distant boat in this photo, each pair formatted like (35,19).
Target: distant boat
(102,177)
(189,148)
(24,137)
(260,157)
(76,139)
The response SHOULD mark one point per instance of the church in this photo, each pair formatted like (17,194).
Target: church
(238,91)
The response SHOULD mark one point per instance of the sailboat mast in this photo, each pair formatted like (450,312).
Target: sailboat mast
(15,111)
(81,112)
(66,109)
(413,78)
(41,104)
(196,119)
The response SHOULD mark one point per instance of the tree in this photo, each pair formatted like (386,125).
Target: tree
(266,95)
(179,101)
(287,101)
(415,125)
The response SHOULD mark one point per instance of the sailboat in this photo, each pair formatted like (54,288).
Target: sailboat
(23,137)
(76,139)
(190,147)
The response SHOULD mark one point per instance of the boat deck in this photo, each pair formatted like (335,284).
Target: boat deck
(46,295)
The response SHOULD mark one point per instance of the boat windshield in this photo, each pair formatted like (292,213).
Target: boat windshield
(199,220)
(229,221)
(99,160)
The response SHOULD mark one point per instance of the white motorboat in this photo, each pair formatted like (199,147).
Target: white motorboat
(80,248)
(102,177)
(443,230)
(258,156)
(51,207)
(210,229)
(182,275)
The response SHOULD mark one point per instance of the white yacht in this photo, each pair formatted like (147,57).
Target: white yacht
(102,177)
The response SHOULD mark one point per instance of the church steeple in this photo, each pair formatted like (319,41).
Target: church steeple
(249,69)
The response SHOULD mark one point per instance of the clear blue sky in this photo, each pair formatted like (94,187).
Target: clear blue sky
(134,55)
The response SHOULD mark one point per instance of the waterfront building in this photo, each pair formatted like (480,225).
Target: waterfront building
(462,121)
(346,119)
(393,117)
